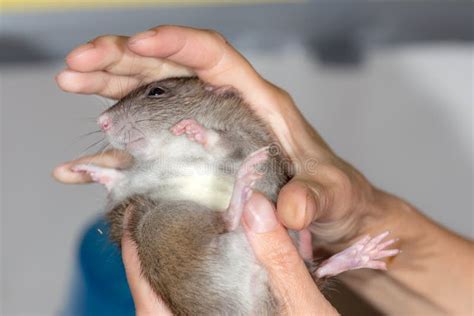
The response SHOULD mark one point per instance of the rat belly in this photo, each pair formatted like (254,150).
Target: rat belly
(213,191)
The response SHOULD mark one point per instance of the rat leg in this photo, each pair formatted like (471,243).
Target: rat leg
(363,254)
(246,177)
(196,132)
(305,245)
(107,176)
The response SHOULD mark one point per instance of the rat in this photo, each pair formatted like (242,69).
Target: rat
(199,153)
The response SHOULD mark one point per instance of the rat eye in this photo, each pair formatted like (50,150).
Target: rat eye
(155,92)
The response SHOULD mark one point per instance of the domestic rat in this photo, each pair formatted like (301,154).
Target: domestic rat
(199,153)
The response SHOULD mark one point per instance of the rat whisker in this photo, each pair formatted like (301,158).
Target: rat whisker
(120,130)
(81,137)
(147,120)
(135,111)
(123,90)
(87,119)
(139,131)
(103,150)
(90,146)
(142,77)
(130,72)
(103,102)
(90,133)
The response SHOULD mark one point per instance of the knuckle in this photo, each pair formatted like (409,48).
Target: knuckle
(281,95)
(341,189)
(284,94)
(105,39)
(100,39)
(165,27)
(339,176)
(216,36)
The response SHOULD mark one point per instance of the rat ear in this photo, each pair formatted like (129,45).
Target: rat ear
(225,91)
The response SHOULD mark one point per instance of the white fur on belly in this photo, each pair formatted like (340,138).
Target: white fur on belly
(211,191)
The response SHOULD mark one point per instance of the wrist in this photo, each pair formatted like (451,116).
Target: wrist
(387,212)
(424,278)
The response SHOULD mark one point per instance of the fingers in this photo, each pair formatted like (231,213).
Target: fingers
(106,66)
(274,249)
(98,82)
(163,52)
(109,159)
(147,303)
(300,203)
(206,52)
(110,53)
(100,54)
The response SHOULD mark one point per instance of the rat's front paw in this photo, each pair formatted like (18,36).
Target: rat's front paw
(106,176)
(196,133)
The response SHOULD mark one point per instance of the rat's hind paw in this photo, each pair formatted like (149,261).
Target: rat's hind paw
(363,254)
(106,176)
(195,132)
(246,177)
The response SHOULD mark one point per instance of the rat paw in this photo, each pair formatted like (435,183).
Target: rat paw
(106,176)
(245,180)
(248,174)
(363,254)
(193,130)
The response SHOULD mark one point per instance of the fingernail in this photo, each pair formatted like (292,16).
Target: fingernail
(259,215)
(141,36)
(82,49)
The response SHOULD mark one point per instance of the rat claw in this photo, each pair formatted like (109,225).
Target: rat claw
(363,241)
(247,193)
(193,130)
(376,240)
(106,176)
(386,253)
(386,244)
(363,254)
(376,265)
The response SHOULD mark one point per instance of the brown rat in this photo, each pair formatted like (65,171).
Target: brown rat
(199,154)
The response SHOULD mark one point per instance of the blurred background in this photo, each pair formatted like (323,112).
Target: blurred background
(388,84)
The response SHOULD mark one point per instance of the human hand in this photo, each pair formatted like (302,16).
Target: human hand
(289,278)
(333,198)
(327,192)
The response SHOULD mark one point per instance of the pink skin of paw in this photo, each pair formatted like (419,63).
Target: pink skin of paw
(365,253)
(196,132)
(246,177)
(193,130)
(106,176)
(305,245)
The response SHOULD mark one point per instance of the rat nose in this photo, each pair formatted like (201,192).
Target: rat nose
(104,122)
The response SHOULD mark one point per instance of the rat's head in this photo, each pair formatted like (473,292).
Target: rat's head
(140,120)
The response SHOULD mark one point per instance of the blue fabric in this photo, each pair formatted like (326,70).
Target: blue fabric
(99,286)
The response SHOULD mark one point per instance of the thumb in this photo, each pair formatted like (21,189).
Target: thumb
(301,202)
(289,278)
